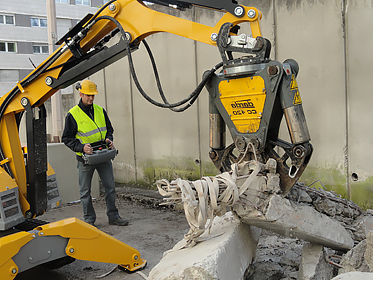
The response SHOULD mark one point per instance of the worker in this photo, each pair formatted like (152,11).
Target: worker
(87,124)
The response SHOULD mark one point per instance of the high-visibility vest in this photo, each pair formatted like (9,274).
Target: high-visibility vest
(89,131)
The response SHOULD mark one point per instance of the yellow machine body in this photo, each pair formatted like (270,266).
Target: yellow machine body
(83,242)
(243,99)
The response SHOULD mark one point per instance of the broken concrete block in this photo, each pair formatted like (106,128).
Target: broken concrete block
(298,221)
(277,258)
(326,205)
(225,256)
(356,275)
(368,255)
(313,265)
(363,224)
(354,260)
(298,196)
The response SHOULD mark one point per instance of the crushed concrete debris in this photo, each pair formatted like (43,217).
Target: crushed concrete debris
(252,192)
(314,265)
(226,255)
(360,258)
(277,257)
(356,275)
(351,216)
(354,259)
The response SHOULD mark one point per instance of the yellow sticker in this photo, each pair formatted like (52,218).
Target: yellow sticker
(294,86)
(297,99)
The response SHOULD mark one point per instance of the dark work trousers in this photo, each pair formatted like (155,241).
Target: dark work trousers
(105,172)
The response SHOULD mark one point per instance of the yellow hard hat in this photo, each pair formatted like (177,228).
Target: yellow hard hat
(87,87)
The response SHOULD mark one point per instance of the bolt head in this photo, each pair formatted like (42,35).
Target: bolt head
(214,36)
(112,7)
(71,250)
(238,11)
(212,154)
(14,270)
(128,36)
(251,13)
(29,215)
(48,80)
(24,101)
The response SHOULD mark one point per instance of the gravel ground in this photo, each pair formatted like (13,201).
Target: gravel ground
(152,231)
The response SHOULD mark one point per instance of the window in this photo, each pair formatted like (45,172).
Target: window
(8,47)
(40,49)
(39,22)
(9,75)
(62,1)
(83,2)
(6,19)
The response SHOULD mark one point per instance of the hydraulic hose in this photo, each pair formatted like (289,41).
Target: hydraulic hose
(198,90)
(190,99)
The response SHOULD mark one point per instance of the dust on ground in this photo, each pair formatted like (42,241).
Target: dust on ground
(153,229)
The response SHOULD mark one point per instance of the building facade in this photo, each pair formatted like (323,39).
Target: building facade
(24,34)
(24,39)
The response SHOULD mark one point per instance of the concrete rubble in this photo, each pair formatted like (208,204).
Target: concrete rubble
(313,265)
(300,221)
(231,247)
(321,223)
(355,275)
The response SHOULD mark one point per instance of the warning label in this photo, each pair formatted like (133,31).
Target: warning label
(294,87)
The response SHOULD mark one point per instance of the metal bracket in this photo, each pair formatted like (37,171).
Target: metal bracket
(260,51)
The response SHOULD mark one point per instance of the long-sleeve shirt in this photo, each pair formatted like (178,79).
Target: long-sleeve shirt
(71,128)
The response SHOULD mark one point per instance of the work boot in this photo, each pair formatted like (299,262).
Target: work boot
(119,221)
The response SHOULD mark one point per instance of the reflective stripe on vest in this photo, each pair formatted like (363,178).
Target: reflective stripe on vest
(89,131)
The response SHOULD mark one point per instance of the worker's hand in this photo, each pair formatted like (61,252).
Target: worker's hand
(109,143)
(88,149)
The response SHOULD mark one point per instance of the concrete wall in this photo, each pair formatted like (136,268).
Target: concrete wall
(331,42)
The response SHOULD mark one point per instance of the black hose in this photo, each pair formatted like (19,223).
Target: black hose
(190,99)
(197,91)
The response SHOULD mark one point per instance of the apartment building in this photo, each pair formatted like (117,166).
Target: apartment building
(24,34)
(24,42)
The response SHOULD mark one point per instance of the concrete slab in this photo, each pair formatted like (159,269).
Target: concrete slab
(363,225)
(356,275)
(313,264)
(226,256)
(299,221)
(354,260)
(368,255)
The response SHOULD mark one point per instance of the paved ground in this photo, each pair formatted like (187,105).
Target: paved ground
(152,231)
